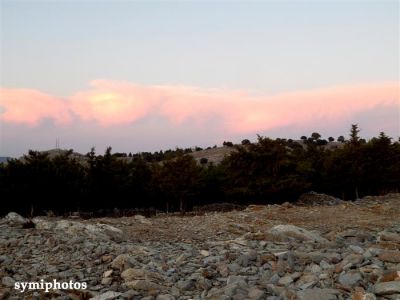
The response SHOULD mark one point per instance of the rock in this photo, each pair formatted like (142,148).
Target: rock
(233,267)
(236,279)
(387,288)
(107,273)
(390,275)
(356,249)
(306,281)
(165,297)
(388,236)
(205,253)
(121,262)
(350,278)
(274,279)
(135,274)
(76,228)
(132,274)
(8,281)
(243,260)
(315,269)
(318,294)
(142,219)
(43,224)
(313,198)
(144,285)
(185,285)
(286,280)
(107,258)
(360,294)
(255,293)
(390,256)
(106,281)
(15,218)
(130,294)
(182,258)
(223,270)
(110,295)
(296,233)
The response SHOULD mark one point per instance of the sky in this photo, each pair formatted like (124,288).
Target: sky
(151,75)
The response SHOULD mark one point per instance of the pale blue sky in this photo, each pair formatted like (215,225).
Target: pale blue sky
(273,46)
(348,49)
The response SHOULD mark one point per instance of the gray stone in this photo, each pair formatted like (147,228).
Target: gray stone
(121,262)
(286,280)
(318,294)
(231,289)
(15,218)
(233,267)
(306,281)
(110,295)
(356,249)
(243,260)
(387,288)
(297,233)
(165,297)
(107,273)
(144,285)
(185,285)
(242,280)
(255,293)
(350,278)
(106,281)
(8,281)
(274,279)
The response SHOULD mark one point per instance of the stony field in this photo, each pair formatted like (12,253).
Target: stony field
(316,250)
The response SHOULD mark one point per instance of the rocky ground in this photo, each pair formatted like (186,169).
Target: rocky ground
(323,249)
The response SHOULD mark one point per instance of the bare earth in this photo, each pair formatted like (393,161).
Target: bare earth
(374,213)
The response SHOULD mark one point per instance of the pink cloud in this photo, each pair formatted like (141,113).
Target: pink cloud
(115,103)
(302,108)
(30,107)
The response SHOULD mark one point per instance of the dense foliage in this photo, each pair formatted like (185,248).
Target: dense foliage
(263,172)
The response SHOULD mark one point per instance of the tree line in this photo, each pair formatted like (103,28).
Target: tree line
(266,171)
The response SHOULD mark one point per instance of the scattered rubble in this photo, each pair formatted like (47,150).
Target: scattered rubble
(350,250)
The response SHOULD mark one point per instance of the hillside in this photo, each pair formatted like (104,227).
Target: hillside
(213,155)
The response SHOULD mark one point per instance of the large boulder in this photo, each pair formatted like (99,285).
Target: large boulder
(298,233)
(313,198)
(97,230)
(15,219)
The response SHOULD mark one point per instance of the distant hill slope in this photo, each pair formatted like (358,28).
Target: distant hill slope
(216,155)
(213,155)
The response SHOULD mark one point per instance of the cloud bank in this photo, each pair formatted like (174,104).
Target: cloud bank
(30,107)
(116,104)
